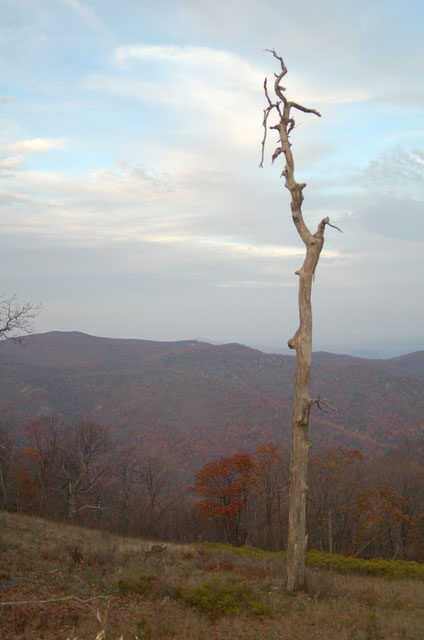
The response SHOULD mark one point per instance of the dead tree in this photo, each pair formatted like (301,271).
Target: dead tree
(302,340)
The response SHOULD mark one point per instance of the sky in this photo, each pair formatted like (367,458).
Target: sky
(132,204)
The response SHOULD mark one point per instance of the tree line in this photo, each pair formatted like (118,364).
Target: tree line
(77,472)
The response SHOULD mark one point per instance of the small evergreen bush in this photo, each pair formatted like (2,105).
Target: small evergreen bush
(216,599)
(139,584)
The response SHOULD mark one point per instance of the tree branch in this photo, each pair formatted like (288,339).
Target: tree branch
(322,404)
(64,599)
(16,317)
(90,506)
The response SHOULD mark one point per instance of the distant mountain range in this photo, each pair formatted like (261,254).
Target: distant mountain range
(200,401)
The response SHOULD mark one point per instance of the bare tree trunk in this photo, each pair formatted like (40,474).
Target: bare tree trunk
(302,403)
(302,340)
(72,500)
(330,530)
(3,490)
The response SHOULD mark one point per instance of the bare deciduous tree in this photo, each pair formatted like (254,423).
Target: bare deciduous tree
(302,340)
(127,472)
(270,484)
(16,318)
(83,462)
(156,484)
(42,454)
(9,454)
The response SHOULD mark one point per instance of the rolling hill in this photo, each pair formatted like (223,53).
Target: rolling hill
(200,400)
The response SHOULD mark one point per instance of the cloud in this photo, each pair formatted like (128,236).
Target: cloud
(8,99)
(161,177)
(397,170)
(370,49)
(13,162)
(205,222)
(7,199)
(214,94)
(207,65)
(197,58)
(88,17)
(246,284)
(34,145)
(214,98)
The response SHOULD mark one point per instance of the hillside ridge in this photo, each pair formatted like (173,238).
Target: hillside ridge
(203,400)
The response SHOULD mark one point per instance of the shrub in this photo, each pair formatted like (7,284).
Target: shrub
(216,599)
(139,585)
(375,566)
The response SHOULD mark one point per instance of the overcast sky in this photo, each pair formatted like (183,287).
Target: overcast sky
(131,200)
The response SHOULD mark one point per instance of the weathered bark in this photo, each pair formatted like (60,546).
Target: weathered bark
(72,499)
(330,530)
(302,340)
(3,490)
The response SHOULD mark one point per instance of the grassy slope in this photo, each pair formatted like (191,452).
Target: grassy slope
(36,565)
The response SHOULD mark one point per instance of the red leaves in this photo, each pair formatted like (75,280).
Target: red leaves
(224,485)
(231,487)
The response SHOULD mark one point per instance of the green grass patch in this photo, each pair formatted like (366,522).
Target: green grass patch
(243,552)
(375,566)
(395,569)
(139,584)
(216,599)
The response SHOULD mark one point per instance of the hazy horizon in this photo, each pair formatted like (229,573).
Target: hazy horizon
(375,352)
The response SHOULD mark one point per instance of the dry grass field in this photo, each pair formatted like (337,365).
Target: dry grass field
(63,582)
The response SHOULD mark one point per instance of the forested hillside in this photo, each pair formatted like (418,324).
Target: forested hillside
(203,401)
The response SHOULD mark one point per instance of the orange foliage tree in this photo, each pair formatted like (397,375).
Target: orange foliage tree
(383,524)
(225,486)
